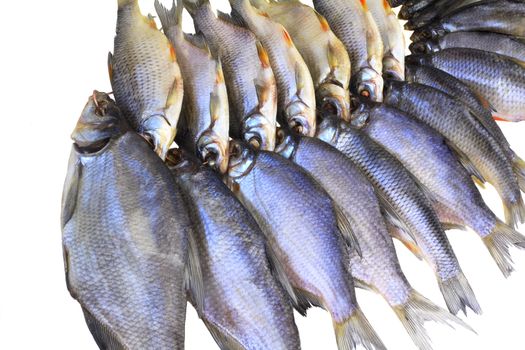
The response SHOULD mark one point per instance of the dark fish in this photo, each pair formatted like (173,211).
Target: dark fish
(125,251)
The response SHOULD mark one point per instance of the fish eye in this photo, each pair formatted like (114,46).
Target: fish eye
(298,128)
(255,142)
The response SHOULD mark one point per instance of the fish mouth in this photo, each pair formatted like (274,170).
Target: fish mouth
(241,161)
(285,144)
(369,85)
(421,47)
(259,132)
(393,69)
(360,113)
(157,130)
(334,100)
(214,152)
(301,118)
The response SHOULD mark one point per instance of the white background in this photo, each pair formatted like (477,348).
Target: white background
(53,54)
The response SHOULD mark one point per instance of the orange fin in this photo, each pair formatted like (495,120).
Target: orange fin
(173,54)
(364,4)
(324,23)
(499,119)
(414,249)
(110,66)
(287,38)
(151,22)
(263,55)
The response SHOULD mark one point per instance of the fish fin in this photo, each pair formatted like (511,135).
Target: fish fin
(364,5)
(467,164)
(402,232)
(325,27)
(416,311)
(508,118)
(499,241)
(70,191)
(518,165)
(193,5)
(453,226)
(362,285)
(169,18)
(345,227)
(193,280)
(232,18)
(514,212)
(484,102)
(104,336)
(263,55)
(356,330)
(305,301)
(222,337)
(299,80)
(110,67)
(198,40)
(458,295)
(478,182)
(279,273)
(286,37)
(122,3)
(332,57)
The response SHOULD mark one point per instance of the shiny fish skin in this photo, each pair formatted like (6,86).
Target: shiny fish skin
(410,8)
(378,267)
(404,198)
(204,123)
(455,198)
(466,135)
(350,22)
(298,219)
(437,10)
(295,88)
(501,16)
(481,71)
(501,44)
(145,76)
(324,54)
(244,305)
(125,251)
(250,81)
(392,37)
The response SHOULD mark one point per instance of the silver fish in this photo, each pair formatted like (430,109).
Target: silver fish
(324,54)
(204,125)
(145,76)
(250,82)
(478,151)
(407,207)
(306,233)
(377,268)
(244,306)
(351,22)
(455,198)
(125,251)
(295,88)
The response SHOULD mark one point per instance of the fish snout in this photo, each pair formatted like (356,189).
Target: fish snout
(334,100)
(241,159)
(392,69)
(214,152)
(370,85)
(259,132)
(158,132)
(301,118)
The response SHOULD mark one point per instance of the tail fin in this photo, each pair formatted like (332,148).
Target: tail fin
(498,243)
(514,212)
(193,5)
(458,295)
(356,330)
(169,18)
(416,311)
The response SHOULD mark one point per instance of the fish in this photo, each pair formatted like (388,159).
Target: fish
(396,3)
(244,305)
(295,88)
(128,255)
(250,81)
(351,22)
(437,10)
(306,231)
(324,54)
(482,71)
(501,44)
(454,196)
(392,37)
(377,268)
(475,148)
(204,124)
(145,77)
(500,16)
(411,8)
(407,209)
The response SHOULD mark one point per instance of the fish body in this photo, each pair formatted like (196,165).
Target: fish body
(250,82)
(244,306)
(437,10)
(145,76)
(301,227)
(324,54)
(353,25)
(204,125)
(378,267)
(411,8)
(295,88)
(408,209)
(396,3)
(501,16)
(125,252)
(501,44)
(455,198)
(392,38)
(476,148)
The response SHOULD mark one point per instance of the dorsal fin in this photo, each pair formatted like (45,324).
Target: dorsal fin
(230,19)
(324,23)
(287,38)
(197,40)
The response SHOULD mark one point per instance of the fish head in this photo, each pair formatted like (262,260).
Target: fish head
(213,150)
(100,121)
(242,160)
(259,132)
(392,91)
(430,32)
(418,59)
(368,84)
(333,99)
(328,129)
(157,130)
(422,47)
(301,118)
(286,143)
(360,112)
(181,162)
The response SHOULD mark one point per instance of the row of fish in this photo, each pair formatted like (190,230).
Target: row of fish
(301,205)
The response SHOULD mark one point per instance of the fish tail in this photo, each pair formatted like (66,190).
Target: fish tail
(459,295)
(193,5)
(356,330)
(416,311)
(498,242)
(169,18)
(122,3)
(514,211)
